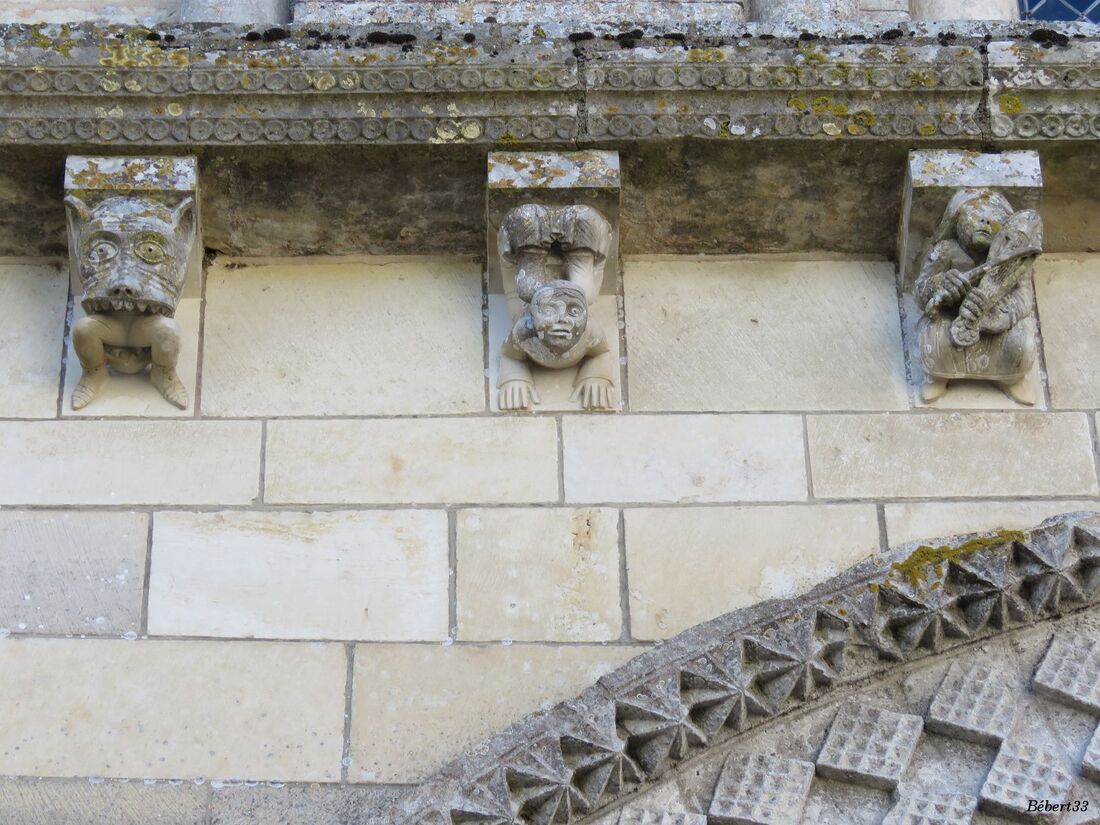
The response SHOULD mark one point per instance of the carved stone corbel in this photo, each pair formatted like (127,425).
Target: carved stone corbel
(554,240)
(132,229)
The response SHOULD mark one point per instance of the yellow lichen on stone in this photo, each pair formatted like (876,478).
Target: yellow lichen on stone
(708,55)
(1010,104)
(914,569)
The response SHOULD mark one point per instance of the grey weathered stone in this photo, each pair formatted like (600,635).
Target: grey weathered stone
(760,789)
(80,802)
(660,818)
(973,703)
(254,12)
(1090,765)
(1023,772)
(802,12)
(265,804)
(932,809)
(869,746)
(1070,673)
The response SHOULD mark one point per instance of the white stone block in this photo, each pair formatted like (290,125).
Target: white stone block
(362,575)
(763,335)
(397,337)
(939,455)
(930,520)
(32,325)
(172,709)
(256,12)
(124,12)
(130,462)
(966,9)
(540,574)
(1068,294)
(737,556)
(684,458)
(414,707)
(412,461)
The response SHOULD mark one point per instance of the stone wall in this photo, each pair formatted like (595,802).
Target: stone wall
(339,566)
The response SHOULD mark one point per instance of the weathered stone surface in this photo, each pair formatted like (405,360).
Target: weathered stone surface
(404,723)
(167,710)
(130,462)
(1022,772)
(796,13)
(32,323)
(127,12)
(683,458)
(1070,673)
(364,575)
(973,703)
(383,337)
(687,565)
(538,575)
(297,804)
(1090,765)
(947,456)
(79,802)
(761,789)
(660,818)
(965,9)
(72,572)
(1068,296)
(932,809)
(732,335)
(255,12)
(869,746)
(923,521)
(442,460)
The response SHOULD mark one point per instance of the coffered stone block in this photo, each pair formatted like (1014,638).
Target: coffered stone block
(733,335)
(165,710)
(412,461)
(928,520)
(684,458)
(869,746)
(932,809)
(973,703)
(1068,294)
(78,801)
(380,337)
(129,462)
(1090,765)
(363,575)
(951,455)
(737,556)
(761,789)
(1023,772)
(404,698)
(1070,673)
(32,325)
(539,575)
(72,572)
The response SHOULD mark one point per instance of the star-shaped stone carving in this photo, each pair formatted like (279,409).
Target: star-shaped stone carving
(918,617)
(718,692)
(988,588)
(1050,569)
(595,754)
(797,658)
(540,784)
(488,802)
(657,726)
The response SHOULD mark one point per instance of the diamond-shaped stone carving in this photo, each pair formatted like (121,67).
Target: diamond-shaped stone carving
(1070,673)
(932,809)
(761,789)
(869,746)
(1090,765)
(654,818)
(1022,773)
(973,703)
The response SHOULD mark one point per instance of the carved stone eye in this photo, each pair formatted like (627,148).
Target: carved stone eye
(152,252)
(102,252)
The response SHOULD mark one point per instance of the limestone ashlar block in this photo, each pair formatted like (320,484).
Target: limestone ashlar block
(269,804)
(933,809)
(1070,673)
(742,341)
(761,789)
(1068,294)
(121,12)
(78,801)
(32,324)
(973,703)
(869,746)
(256,12)
(926,520)
(364,575)
(412,461)
(172,709)
(684,458)
(72,572)
(951,455)
(129,462)
(415,707)
(387,337)
(1021,773)
(538,575)
(590,177)
(746,555)
(932,177)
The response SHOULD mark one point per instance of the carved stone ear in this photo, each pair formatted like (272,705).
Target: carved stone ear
(186,205)
(77,208)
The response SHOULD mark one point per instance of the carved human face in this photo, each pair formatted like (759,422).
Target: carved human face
(978,223)
(133,256)
(559,315)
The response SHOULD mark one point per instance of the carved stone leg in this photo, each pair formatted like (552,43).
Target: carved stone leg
(162,336)
(933,389)
(90,335)
(580,267)
(1021,391)
(530,272)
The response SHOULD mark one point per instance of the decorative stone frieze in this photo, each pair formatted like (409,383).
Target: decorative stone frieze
(132,229)
(869,746)
(973,703)
(761,789)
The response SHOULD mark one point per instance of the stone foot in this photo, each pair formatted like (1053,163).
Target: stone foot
(91,382)
(933,390)
(1022,391)
(170,386)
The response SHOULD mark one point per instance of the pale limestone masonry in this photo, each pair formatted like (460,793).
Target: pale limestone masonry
(539,575)
(32,321)
(362,575)
(920,521)
(47,802)
(1068,293)
(75,572)
(168,709)
(128,12)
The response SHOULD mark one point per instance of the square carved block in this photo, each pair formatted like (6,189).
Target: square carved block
(1090,765)
(655,818)
(973,703)
(932,809)
(1070,673)
(869,746)
(761,789)
(1020,774)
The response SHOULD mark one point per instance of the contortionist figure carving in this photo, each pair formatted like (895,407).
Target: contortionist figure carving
(975,287)
(554,328)
(132,255)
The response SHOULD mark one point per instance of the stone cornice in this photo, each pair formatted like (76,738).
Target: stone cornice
(744,669)
(197,86)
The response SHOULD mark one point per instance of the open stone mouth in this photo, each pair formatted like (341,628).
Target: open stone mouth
(128,305)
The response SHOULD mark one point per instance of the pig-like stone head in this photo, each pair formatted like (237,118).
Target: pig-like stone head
(132,253)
